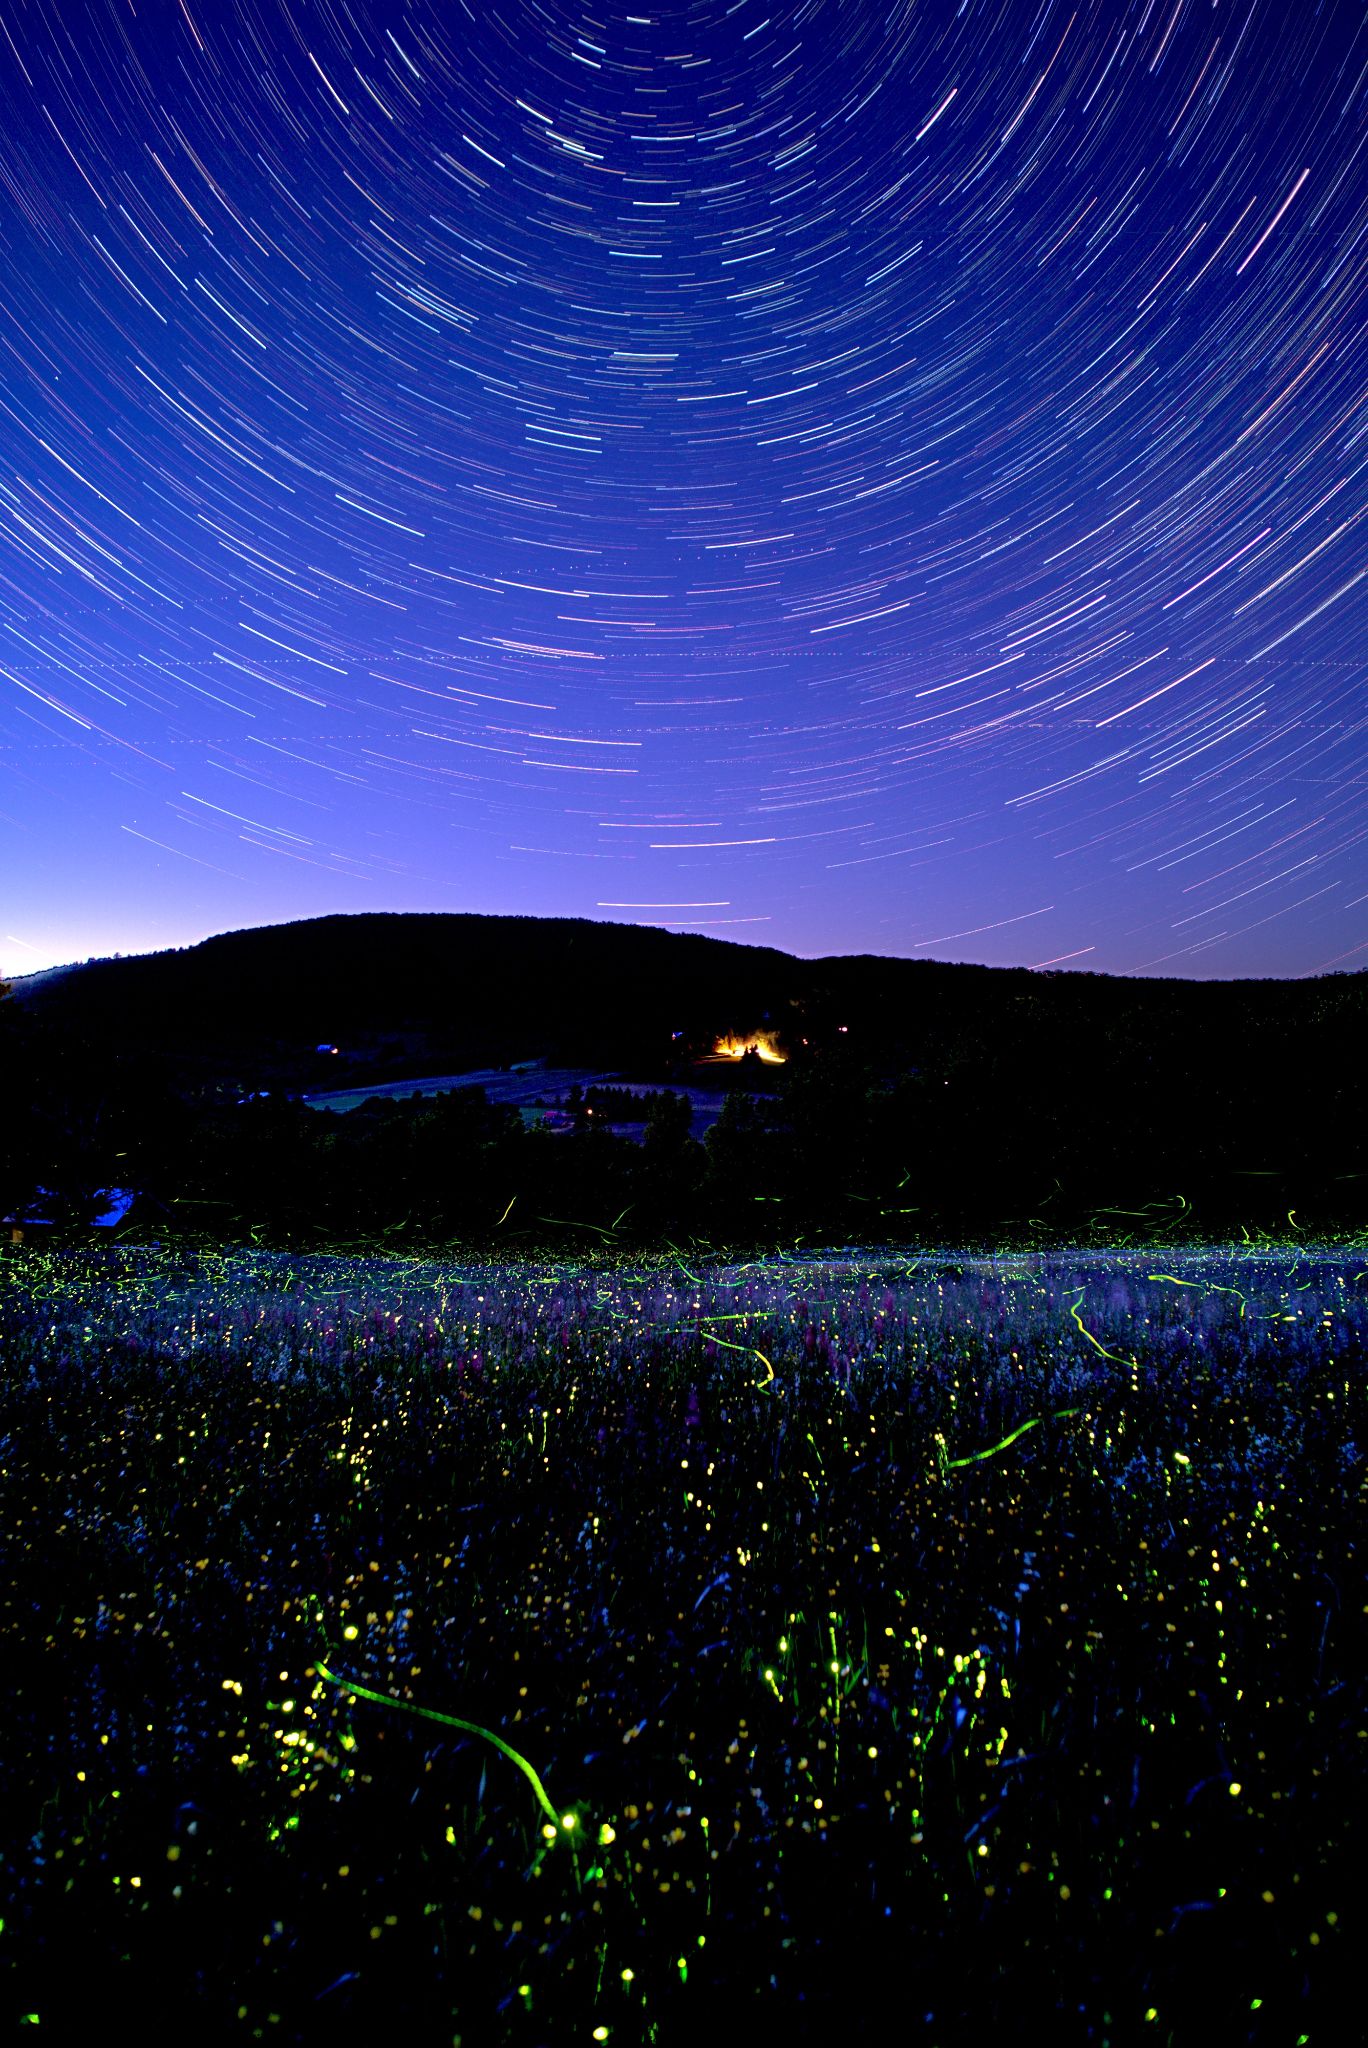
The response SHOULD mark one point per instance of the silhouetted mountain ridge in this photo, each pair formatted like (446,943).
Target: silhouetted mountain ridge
(462,989)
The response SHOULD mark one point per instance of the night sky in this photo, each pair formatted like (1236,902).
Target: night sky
(837,477)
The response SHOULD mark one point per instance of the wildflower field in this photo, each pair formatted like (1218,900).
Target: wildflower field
(542,1654)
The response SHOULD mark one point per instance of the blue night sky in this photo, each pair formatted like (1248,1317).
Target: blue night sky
(838,477)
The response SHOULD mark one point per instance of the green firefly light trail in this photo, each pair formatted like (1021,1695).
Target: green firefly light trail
(1209,1285)
(1113,1355)
(993,1449)
(382,1699)
(571,1223)
(729,1346)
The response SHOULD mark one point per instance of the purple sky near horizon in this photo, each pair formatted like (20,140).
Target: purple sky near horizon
(845,478)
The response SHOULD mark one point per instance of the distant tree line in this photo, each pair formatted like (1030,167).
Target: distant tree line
(1032,1129)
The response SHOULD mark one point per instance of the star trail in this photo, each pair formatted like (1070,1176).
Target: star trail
(841,477)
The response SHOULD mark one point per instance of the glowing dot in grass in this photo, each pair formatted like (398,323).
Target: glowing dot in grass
(1235,1788)
(600,2033)
(350,1632)
(606,1835)
(569,1820)
(628,1976)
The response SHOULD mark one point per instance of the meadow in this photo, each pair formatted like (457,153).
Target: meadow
(556,1654)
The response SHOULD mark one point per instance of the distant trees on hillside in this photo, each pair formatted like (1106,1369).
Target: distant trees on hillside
(1049,1110)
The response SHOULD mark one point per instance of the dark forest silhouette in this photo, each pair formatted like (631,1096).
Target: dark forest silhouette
(918,1101)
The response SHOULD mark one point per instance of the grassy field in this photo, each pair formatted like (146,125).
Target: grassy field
(552,1655)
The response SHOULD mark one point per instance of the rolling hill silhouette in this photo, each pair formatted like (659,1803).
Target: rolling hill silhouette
(952,1089)
(489,990)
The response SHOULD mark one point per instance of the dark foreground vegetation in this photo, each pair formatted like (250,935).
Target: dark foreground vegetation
(914,1102)
(397,1651)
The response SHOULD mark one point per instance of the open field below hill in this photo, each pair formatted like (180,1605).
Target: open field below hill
(544,1654)
(543,1087)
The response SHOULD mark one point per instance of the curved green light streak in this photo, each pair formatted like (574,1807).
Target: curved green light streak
(381,1699)
(574,1223)
(727,1344)
(993,1449)
(1115,1356)
(1208,1284)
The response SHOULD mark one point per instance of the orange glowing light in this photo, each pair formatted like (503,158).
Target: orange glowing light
(759,1042)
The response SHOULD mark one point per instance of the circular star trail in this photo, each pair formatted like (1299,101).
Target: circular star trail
(847,478)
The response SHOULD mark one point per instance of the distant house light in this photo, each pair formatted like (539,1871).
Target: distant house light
(325,1048)
(736,1046)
